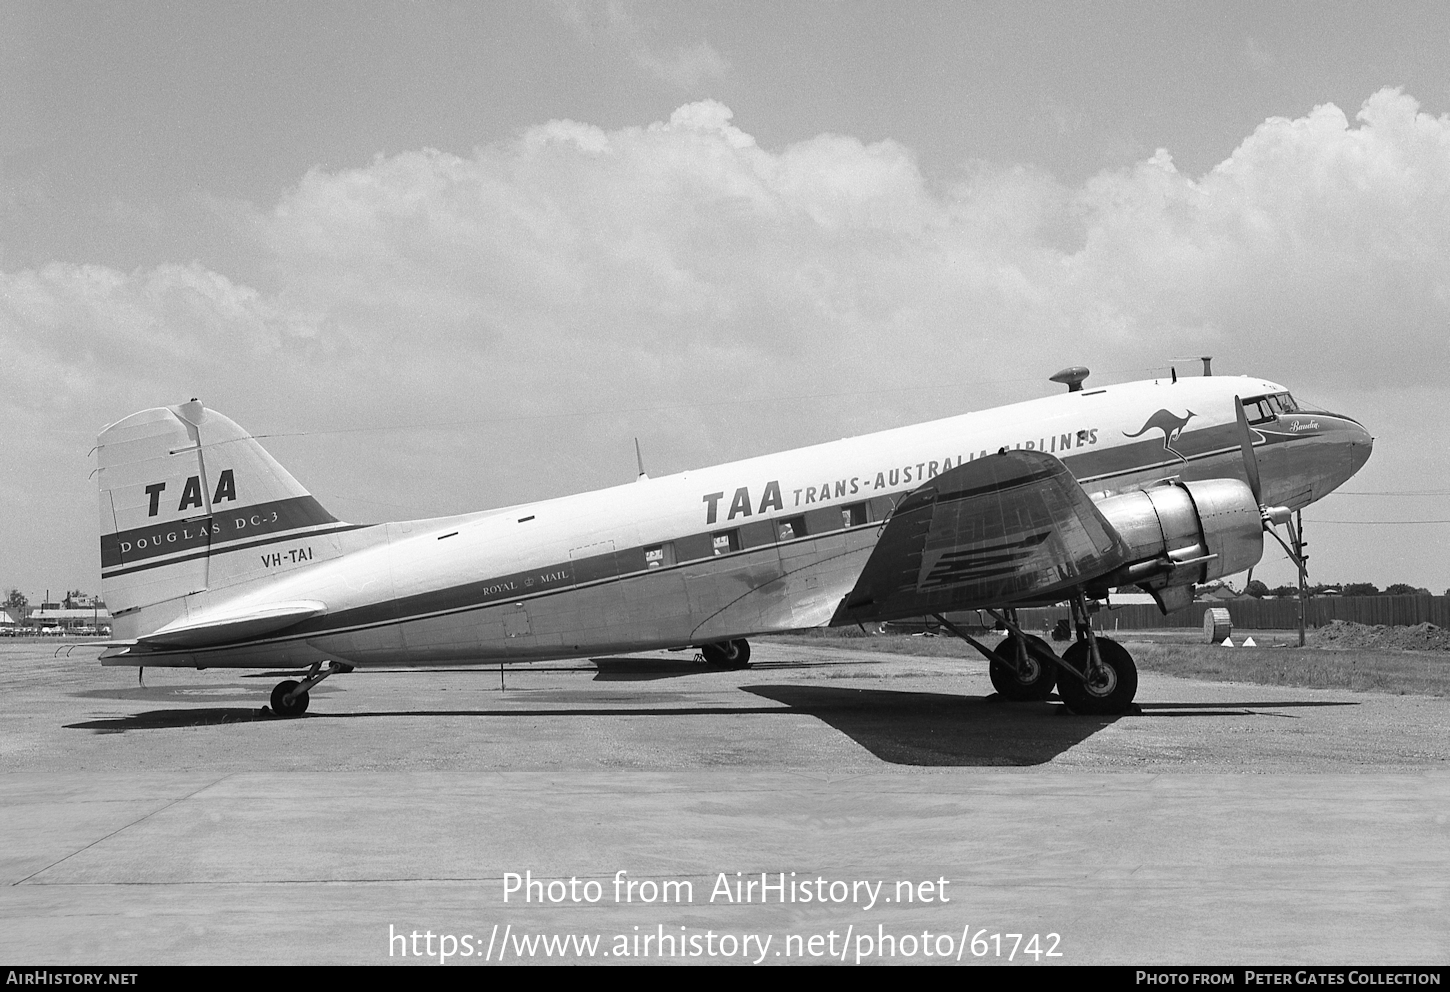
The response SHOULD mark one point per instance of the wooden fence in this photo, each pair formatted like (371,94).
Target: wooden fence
(1263,614)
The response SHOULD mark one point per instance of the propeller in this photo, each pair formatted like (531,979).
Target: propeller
(1271,514)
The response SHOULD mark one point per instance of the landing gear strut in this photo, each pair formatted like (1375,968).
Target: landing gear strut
(289,698)
(727,654)
(1032,674)
(1098,677)
(1023,668)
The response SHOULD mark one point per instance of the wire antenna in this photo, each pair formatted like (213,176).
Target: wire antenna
(1207,361)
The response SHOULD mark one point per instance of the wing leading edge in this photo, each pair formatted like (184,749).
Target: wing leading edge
(1008,528)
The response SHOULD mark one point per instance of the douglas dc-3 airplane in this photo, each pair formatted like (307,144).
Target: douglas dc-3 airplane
(213,556)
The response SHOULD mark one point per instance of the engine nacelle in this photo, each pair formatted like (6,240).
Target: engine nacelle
(1183,533)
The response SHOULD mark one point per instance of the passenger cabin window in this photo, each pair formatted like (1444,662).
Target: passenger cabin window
(853,515)
(725,541)
(791,528)
(659,555)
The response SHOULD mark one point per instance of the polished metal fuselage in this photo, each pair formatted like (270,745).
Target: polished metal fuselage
(718,553)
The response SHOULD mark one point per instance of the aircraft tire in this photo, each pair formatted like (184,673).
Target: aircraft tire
(727,654)
(1114,688)
(281,707)
(1041,676)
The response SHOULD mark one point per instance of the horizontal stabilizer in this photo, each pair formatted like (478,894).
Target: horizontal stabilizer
(227,628)
(999,530)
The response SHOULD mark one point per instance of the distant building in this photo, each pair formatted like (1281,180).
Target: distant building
(83,602)
(70,619)
(1216,592)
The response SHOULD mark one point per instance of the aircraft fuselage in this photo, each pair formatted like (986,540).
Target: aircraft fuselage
(764,544)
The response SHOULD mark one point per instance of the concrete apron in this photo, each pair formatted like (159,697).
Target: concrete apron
(1126,867)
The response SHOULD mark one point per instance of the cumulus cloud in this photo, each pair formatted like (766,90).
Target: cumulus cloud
(686,235)
(1314,243)
(679,264)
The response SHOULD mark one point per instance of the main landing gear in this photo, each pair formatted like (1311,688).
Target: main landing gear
(1023,669)
(727,654)
(289,698)
(1098,675)
(1094,677)
(1104,689)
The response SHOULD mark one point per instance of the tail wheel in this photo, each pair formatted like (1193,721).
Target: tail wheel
(1109,690)
(728,654)
(1031,683)
(281,706)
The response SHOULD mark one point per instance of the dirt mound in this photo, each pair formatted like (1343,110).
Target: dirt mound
(1346,634)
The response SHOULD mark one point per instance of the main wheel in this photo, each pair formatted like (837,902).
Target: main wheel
(1108,691)
(728,654)
(1033,683)
(281,706)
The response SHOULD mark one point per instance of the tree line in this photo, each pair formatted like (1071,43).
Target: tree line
(16,603)
(1258,590)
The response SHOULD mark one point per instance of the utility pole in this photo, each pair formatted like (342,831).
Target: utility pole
(1302,561)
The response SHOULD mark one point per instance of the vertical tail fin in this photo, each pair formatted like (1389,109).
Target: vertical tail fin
(186,498)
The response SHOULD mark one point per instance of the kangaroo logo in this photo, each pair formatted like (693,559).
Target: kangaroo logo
(1170,425)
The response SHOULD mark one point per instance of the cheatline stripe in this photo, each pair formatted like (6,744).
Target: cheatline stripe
(291,535)
(223,525)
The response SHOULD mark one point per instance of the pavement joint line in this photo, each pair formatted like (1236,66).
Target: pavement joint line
(126,826)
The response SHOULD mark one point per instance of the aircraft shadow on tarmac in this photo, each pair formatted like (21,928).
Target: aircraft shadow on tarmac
(906,728)
(926,728)
(174,719)
(930,728)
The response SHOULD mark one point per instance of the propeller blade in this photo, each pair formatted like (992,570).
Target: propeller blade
(1251,461)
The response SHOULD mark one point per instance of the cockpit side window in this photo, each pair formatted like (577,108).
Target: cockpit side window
(1258,410)
(1287,404)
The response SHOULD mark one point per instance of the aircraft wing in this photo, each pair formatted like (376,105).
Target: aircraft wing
(1008,528)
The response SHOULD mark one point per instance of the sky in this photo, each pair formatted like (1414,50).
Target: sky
(449,256)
